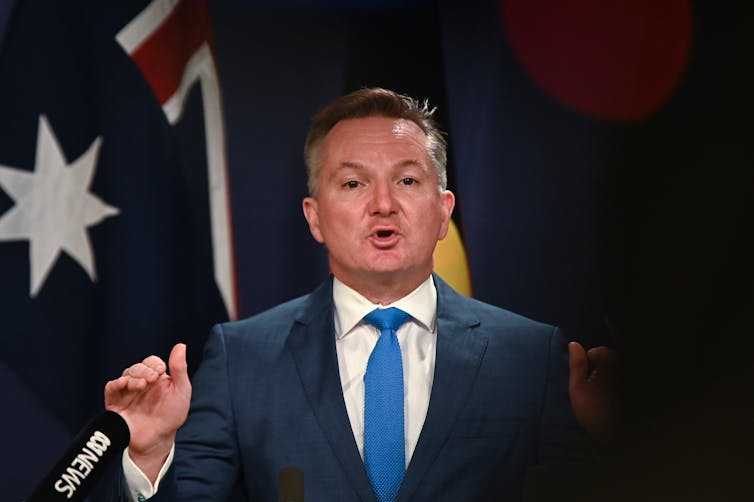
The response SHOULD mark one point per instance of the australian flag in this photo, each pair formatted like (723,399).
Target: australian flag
(115,236)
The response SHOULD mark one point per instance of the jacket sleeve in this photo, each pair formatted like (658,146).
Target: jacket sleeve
(206,462)
(566,455)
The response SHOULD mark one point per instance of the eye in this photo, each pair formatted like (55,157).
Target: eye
(408,181)
(351,184)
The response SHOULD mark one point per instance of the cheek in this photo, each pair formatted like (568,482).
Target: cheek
(338,223)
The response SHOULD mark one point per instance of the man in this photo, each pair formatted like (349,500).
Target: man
(485,392)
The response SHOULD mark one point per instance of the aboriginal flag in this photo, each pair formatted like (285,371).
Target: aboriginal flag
(112,244)
(605,172)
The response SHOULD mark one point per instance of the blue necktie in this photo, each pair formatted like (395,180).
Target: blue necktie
(384,447)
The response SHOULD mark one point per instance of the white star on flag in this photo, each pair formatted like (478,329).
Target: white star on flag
(53,206)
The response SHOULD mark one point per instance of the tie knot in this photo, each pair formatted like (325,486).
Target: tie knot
(391,318)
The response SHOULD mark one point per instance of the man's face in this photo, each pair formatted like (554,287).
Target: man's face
(378,210)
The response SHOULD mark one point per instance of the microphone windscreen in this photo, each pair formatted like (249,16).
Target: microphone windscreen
(85,460)
(291,485)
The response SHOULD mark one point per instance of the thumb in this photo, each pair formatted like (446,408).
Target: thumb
(179,367)
(577,363)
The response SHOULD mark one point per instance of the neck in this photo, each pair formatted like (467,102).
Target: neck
(381,290)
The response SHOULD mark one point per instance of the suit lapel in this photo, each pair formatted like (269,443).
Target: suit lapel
(456,364)
(312,344)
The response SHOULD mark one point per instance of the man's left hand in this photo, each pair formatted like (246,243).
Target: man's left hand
(593,392)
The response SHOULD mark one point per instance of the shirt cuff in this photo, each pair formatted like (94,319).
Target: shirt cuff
(139,486)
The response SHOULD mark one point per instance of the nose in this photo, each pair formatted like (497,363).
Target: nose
(382,198)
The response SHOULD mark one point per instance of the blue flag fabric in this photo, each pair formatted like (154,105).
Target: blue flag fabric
(105,237)
(602,158)
(528,175)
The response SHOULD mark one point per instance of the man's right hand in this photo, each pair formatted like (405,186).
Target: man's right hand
(154,404)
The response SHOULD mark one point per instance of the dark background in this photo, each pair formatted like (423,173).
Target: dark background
(600,156)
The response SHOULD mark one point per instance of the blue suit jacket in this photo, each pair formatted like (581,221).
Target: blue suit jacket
(267,395)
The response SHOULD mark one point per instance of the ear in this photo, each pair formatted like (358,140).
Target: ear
(447,203)
(311,213)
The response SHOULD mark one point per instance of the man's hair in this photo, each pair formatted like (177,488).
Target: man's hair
(373,102)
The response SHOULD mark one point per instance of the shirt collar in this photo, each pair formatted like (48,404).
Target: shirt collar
(351,306)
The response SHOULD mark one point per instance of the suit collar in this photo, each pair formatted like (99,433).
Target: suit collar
(351,306)
(456,364)
(312,345)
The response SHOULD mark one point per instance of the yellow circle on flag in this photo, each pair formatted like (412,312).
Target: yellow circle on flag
(451,263)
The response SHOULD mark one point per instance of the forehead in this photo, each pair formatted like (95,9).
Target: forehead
(375,136)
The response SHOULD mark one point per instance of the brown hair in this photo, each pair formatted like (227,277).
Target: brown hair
(368,103)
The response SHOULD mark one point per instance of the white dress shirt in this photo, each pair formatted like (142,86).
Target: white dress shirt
(354,341)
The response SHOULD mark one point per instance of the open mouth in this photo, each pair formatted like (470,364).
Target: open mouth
(385,238)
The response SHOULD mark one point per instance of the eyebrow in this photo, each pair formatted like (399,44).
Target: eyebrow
(356,165)
(349,165)
(409,162)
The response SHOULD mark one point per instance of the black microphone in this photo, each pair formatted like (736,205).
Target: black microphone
(85,460)
(291,485)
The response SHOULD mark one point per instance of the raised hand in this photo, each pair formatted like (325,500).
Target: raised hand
(594,394)
(155,404)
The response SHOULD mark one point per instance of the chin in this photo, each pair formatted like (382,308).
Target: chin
(387,264)
(400,269)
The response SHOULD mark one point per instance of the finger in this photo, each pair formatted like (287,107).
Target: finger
(577,363)
(156,364)
(179,368)
(142,371)
(137,384)
(602,355)
(116,391)
(116,385)
(604,360)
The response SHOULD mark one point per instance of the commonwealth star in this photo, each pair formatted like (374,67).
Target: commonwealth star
(53,206)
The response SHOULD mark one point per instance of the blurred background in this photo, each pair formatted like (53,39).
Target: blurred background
(151,178)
